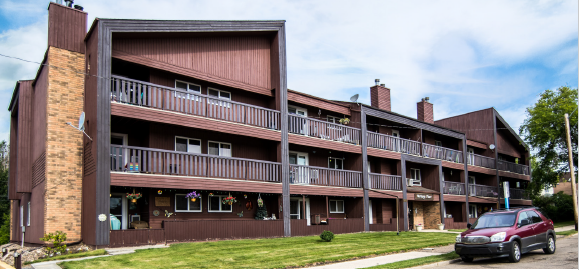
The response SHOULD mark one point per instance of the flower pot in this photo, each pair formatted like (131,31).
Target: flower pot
(134,200)
(193,199)
(230,203)
(418,228)
(441,227)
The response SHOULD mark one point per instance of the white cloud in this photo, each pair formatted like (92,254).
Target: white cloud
(465,55)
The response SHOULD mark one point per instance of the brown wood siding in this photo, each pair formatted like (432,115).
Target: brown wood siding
(383,153)
(514,175)
(384,194)
(517,202)
(477,126)
(326,144)
(236,61)
(505,145)
(165,78)
(39,114)
(300,227)
(454,198)
(448,142)
(453,165)
(39,170)
(202,230)
(320,158)
(428,173)
(352,207)
(476,144)
(317,103)
(159,116)
(12,195)
(129,238)
(16,229)
(25,114)
(481,200)
(66,27)
(89,215)
(36,229)
(327,191)
(481,170)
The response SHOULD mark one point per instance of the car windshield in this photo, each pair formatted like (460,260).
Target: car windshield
(495,221)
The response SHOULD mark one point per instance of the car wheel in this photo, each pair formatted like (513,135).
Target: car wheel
(515,254)
(550,249)
(466,259)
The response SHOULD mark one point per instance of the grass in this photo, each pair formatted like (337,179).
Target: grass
(97,252)
(269,253)
(564,223)
(417,262)
(569,232)
(457,230)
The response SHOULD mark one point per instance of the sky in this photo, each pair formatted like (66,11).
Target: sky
(464,55)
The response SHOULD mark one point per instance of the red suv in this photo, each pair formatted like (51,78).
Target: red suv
(506,233)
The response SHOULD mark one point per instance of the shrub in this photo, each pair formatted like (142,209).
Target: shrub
(327,236)
(57,239)
(558,207)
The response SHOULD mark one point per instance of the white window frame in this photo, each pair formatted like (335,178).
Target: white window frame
(415,182)
(336,202)
(301,154)
(125,151)
(220,204)
(28,213)
(218,93)
(394,131)
(438,143)
(342,159)
(335,119)
(188,210)
(188,139)
(220,143)
(305,111)
(188,89)
(472,214)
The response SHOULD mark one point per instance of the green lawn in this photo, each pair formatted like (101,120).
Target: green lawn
(269,253)
(569,232)
(97,252)
(457,230)
(564,223)
(417,262)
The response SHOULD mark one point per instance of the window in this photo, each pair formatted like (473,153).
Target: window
(219,94)
(470,150)
(298,158)
(415,179)
(396,133)
(216,204)
(28,213)
(472,211)
(518,184)
(523,216)
(295,209)
(183,204)
(297,110)
(336,163)
(333,119)
(189,87)
(438,143)
(534,217)
(188,145)
(220,149)
(336,206)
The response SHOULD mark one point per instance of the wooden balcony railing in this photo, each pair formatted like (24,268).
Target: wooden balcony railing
(439,152)
(171,99)
(157,161)
(481,161)
(387,142)
(513,167)
(515,193)
(321,129)
(311,175)
(384,181)
(482,191)
(453,188)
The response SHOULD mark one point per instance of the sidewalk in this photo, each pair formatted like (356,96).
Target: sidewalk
(369,262)
(566,228)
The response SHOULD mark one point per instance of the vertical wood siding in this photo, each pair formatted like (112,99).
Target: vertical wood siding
(12,195)
(39,114)
(300,227)
(66,28)
(243,59)
(201,230)
(24,148)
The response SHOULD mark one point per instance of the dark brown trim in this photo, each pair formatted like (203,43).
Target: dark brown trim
(365,171)
(496,157)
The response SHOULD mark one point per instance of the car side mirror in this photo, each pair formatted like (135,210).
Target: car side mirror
(524,222)
(468,225)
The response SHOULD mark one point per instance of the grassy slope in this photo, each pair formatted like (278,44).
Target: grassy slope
(564,223)
(417,262)
(569,232)
(268,253)
(97,252)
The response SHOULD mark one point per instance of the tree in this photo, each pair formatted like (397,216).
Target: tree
(4,202)
(544,131)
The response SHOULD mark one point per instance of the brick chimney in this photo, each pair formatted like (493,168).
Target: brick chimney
(425,111)
(380,96)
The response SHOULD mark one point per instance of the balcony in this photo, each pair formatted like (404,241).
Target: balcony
(513,167)
(453,188)
(442,153)
(516,194)
(156,161)
(481,161)
(391,143)
(384,181)
(310,175)
(482,191)
(324,130)
(159,97)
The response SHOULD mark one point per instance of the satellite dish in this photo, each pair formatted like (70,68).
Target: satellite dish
(354,98)
(81,122)
(492,147)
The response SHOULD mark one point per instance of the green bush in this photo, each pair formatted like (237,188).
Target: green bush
(327,236)
(5,230)
(558,207)
(57,239)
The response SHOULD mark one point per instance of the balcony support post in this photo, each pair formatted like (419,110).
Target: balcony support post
(365,183)
(404,189)
(496,150)
(466,184)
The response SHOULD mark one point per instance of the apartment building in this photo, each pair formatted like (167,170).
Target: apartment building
(175,107)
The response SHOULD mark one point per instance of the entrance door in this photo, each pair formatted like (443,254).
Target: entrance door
(296,209)
(370,217)
(410,216)
(298,125)
(471,186)
(118,155)
(119,208)
(470,152)
(299,174)
(396,133)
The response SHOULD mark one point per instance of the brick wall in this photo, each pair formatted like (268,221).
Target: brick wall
(380,97)
(431,215)
(64,143)
(425,111)
(418,212)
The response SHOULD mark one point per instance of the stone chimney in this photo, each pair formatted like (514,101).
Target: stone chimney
(425,111)
(380,96)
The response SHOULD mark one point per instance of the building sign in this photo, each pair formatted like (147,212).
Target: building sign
(506,189)
(162,201)
(423,197)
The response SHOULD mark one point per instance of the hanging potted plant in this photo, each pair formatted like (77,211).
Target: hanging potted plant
(229,200)
(134,196)
(344,121)
(259,201)
(193,196)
